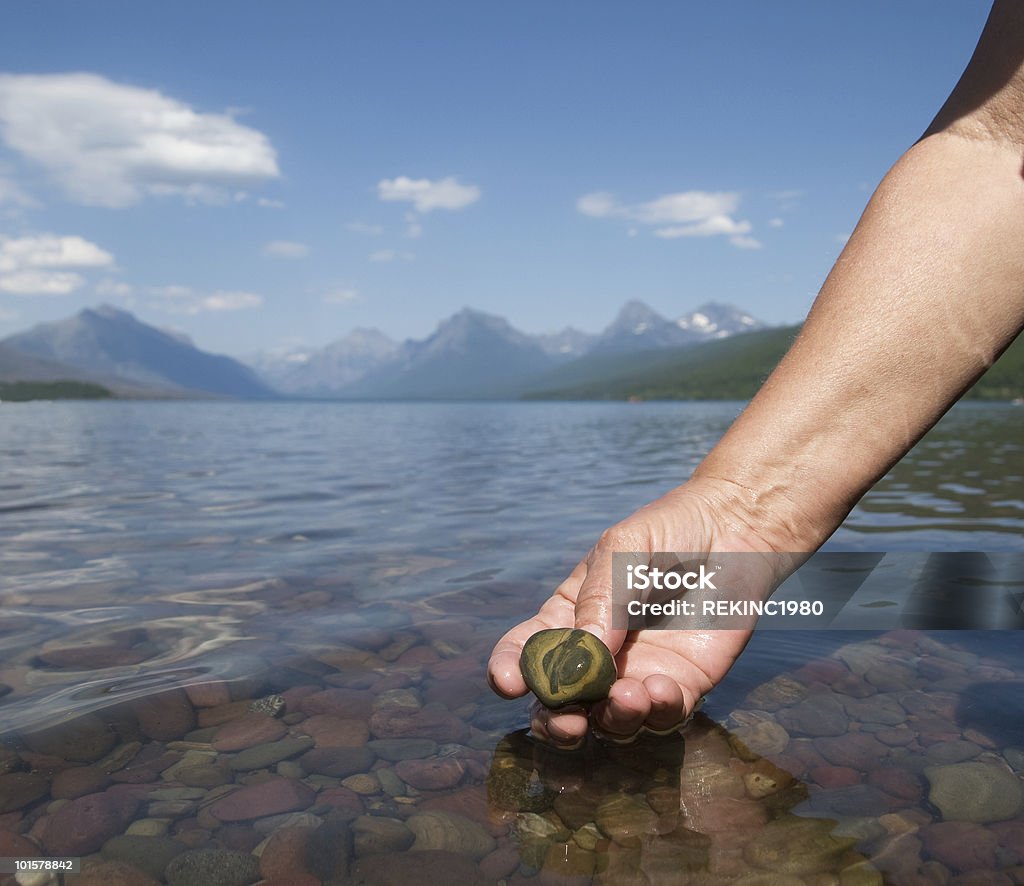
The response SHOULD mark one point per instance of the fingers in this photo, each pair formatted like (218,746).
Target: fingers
(667,703)
(565,729)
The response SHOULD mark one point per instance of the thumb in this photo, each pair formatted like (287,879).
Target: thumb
(594,603)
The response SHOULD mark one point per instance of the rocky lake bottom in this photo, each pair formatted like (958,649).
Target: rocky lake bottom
(212,674)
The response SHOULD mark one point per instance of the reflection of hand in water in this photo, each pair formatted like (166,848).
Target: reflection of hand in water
(692,802)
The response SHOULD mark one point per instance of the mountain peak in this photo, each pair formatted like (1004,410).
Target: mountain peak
(111,342)
(108,312)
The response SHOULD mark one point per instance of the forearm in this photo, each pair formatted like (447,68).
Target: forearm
(925,296)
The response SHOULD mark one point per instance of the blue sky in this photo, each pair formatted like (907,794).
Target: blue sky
(266,174)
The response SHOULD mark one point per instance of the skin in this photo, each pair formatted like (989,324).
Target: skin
(928,292)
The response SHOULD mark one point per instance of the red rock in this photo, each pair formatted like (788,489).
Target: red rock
(269,798)
(208,695)
(433,774)
(347,704)
(284,854)
(822,670)
(78,782)
(470,802)
(166,716)
(346,801)
(17,846)
(83,740)
(83,825)
(293,697)
(418,655)
(334,732)
(803,749)
(835,776)
(142,771)
(897,782)
(21,789)
(858,750)
(239,837)
(500,863)
(399,722)
(247,732)
(961,845)
(222,714)
(1009,833)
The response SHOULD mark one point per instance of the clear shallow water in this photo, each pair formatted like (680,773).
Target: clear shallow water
(365,549)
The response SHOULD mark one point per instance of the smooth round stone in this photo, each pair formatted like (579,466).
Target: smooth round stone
(263,756)
(150,854)
(375,833)
(19,789)
(447,831)
(565,666)
(213,867)
(975,791)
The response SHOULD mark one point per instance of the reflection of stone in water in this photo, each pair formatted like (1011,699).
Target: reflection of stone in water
(696,807)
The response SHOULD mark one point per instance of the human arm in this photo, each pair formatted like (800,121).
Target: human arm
(927,293)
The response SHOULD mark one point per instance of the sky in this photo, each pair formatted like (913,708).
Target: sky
(264,175)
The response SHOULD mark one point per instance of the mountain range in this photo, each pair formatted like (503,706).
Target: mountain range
(714,352)
(112,347)
(474,354)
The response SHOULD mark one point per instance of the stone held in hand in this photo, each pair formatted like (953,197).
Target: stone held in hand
(565,666)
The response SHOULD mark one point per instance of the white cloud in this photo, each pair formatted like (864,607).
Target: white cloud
(682,214)
(341,297)
(230,301)
(41,282)
(361,227)
(286,249)
(108,144)
(177,299)
(47,264)
(426,195)
(267,203)
(775,223)
(116,288)
(6,315)
(389,255)
(708,227)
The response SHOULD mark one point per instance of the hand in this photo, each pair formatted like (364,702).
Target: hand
(662,673)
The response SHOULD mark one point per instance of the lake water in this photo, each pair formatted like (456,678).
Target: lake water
(346,568)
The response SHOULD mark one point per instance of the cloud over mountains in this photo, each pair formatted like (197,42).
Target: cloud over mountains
(110,144)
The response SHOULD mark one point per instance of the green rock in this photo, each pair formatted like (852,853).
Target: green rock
(565,666)
(212,867)
(149,854)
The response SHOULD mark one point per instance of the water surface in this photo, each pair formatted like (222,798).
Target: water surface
(360,560)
